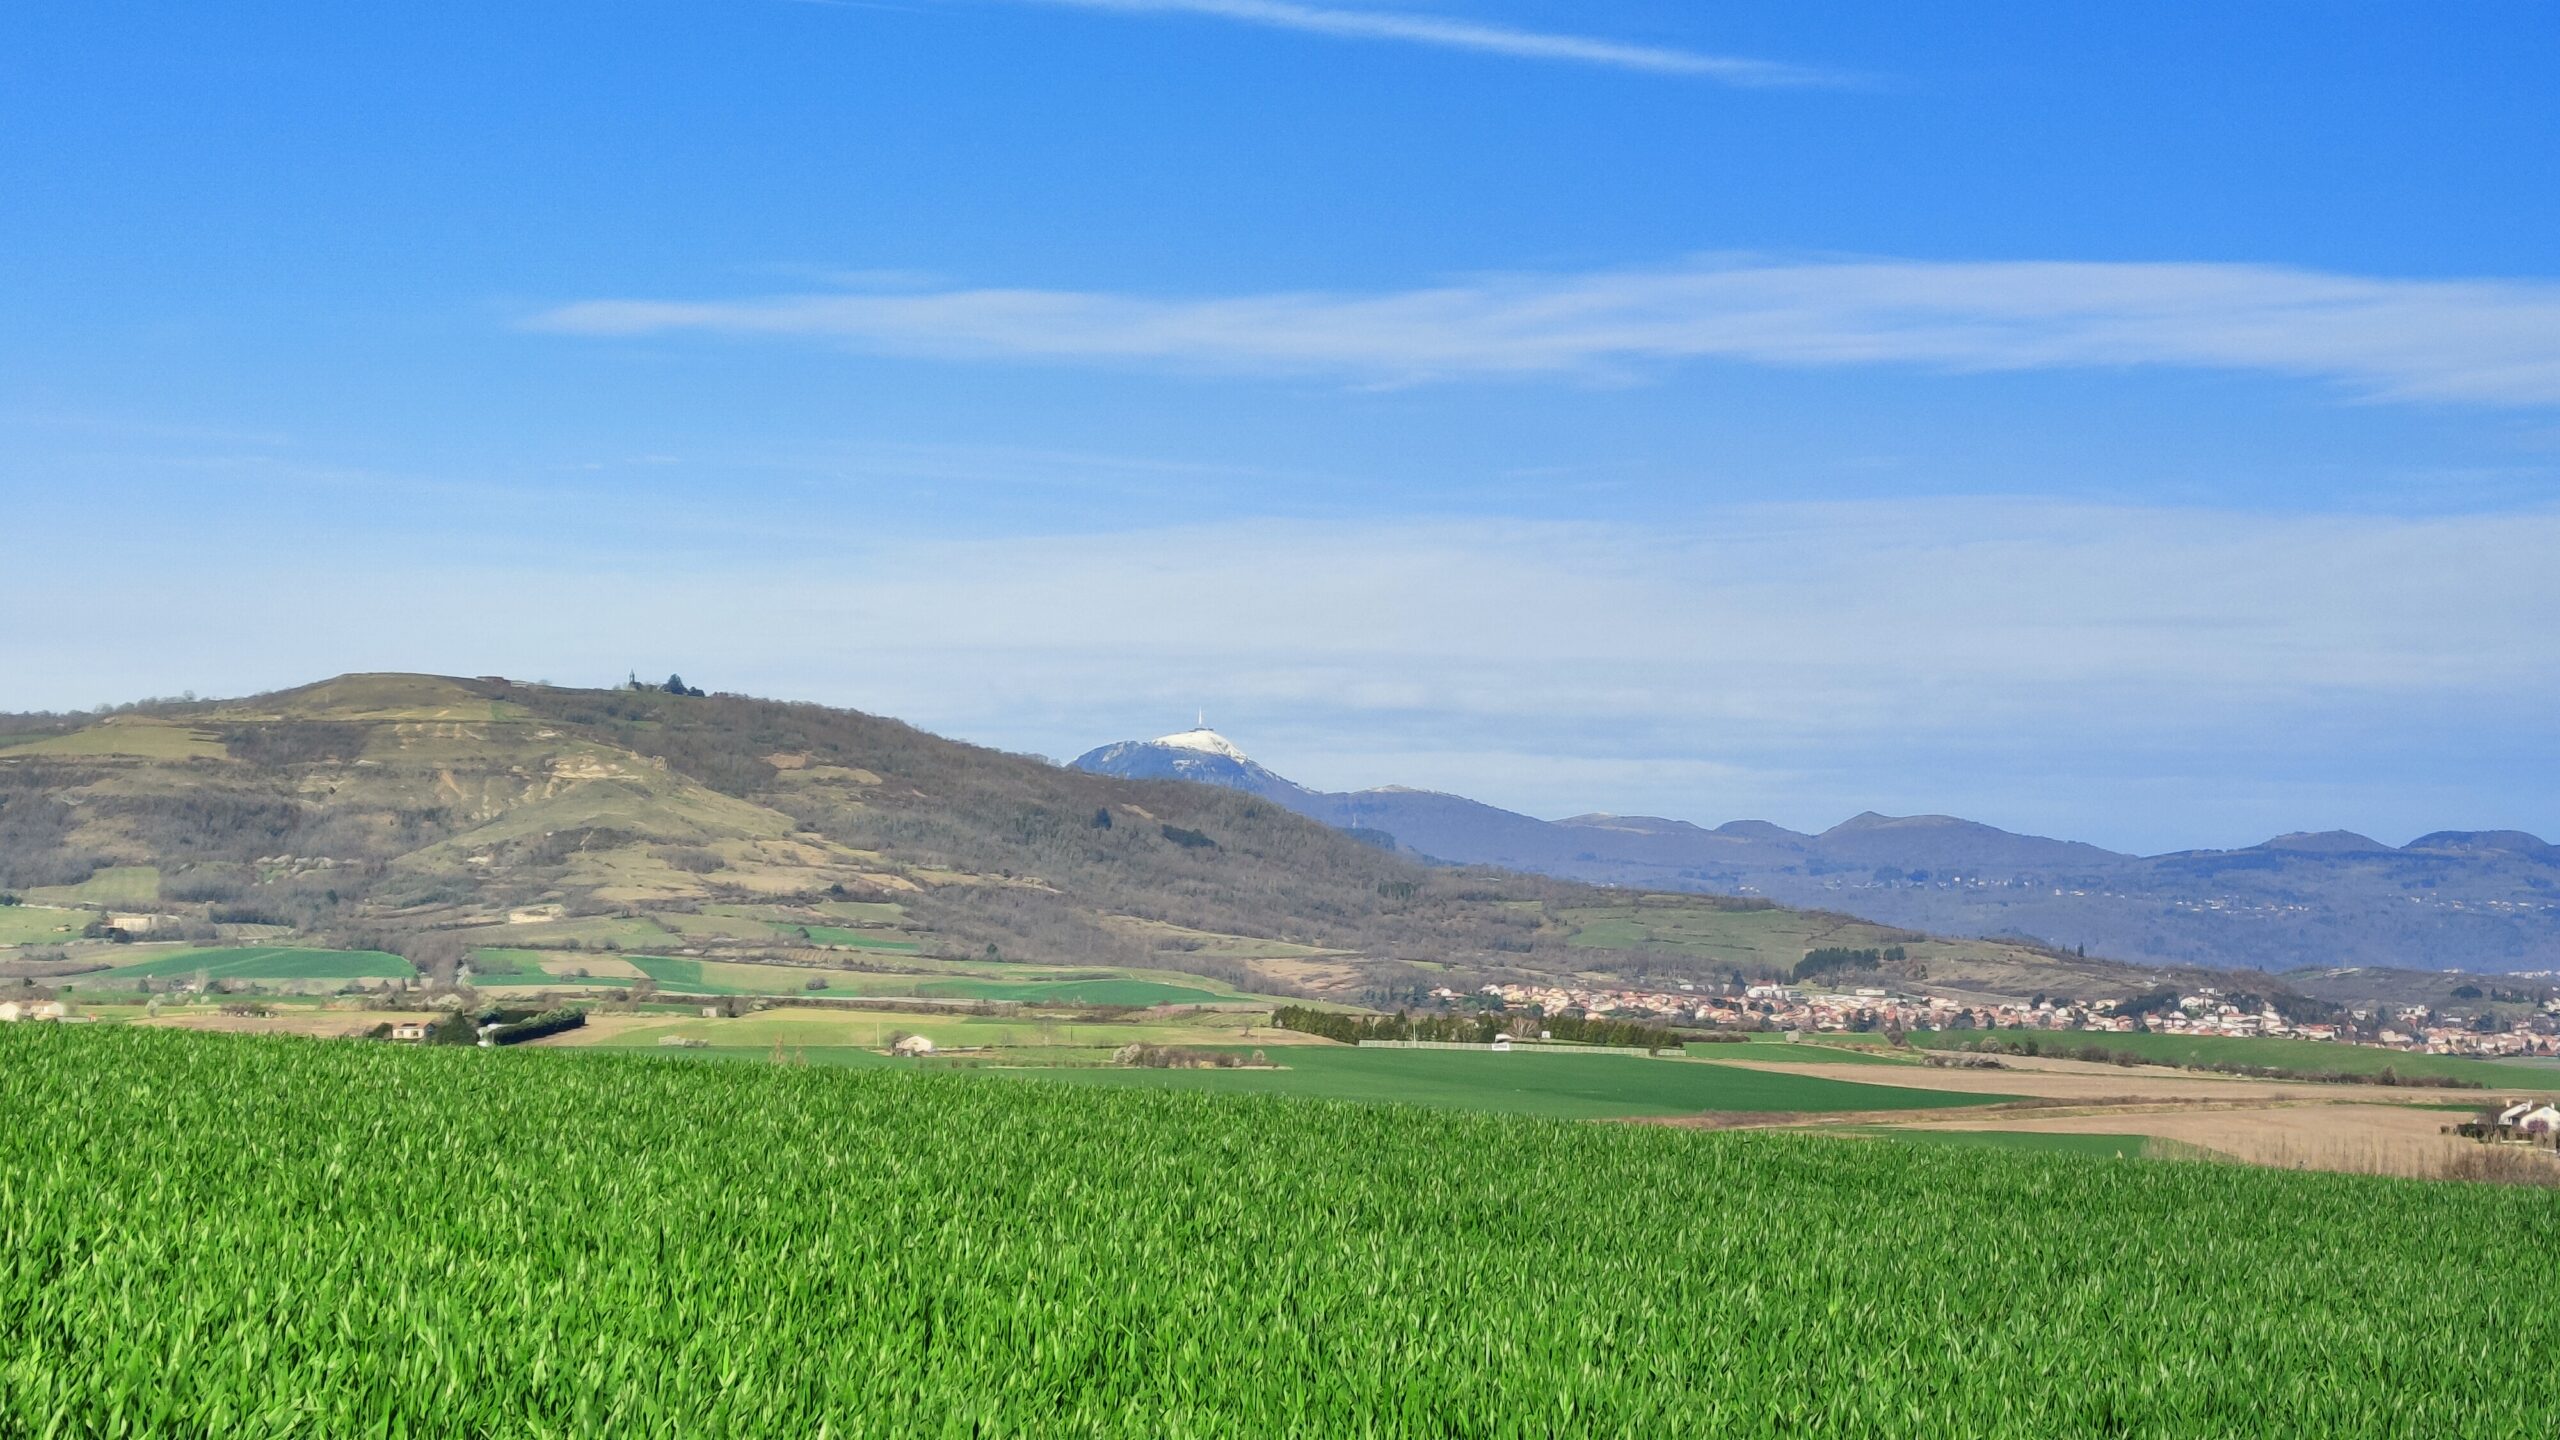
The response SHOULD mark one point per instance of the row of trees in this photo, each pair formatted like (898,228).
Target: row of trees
(1838,960)
(1478,1029)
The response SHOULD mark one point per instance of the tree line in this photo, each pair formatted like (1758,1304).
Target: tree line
(1837,959)
(1482,1028)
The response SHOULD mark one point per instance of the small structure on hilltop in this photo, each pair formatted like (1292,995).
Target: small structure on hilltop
(411,1030)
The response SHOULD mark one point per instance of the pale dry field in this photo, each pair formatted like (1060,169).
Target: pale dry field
(2358,1129)
(611,967)
(2359,1139)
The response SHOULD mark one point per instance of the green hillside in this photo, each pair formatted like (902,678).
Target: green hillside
(434,818)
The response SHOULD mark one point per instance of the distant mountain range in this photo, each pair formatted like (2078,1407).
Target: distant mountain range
(2453,900)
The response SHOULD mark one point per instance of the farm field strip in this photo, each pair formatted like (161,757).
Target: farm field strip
(491,965)
(260,962)
(794,1026)
(864,912)
(2075,1082)
(1557,1085)
(844,938)
(592,932)
(596,1245)
(1808,1052)
(2281,1052)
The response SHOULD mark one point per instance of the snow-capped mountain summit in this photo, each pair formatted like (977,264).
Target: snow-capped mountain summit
(1206,741)
(1200,754)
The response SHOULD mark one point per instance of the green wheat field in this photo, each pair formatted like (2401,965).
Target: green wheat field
(262,1236)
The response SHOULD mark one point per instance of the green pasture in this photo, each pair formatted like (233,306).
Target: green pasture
(1778,1048)
(2277,1051)
(586,931)
(502,968)
(115,885)
(1580,1087)
(504,959)
(41,924)
(259,962)
(854,939)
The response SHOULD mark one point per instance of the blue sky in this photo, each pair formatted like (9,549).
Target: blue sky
(2141,425)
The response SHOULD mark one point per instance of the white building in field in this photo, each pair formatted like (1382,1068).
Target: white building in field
(13,1011)
(2533,1117)
(913,1045)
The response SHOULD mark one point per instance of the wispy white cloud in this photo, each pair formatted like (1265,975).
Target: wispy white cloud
(2484,341)
(2142,676)
(1357,24)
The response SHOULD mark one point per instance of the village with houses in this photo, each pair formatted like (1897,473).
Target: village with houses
(2207,1012)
